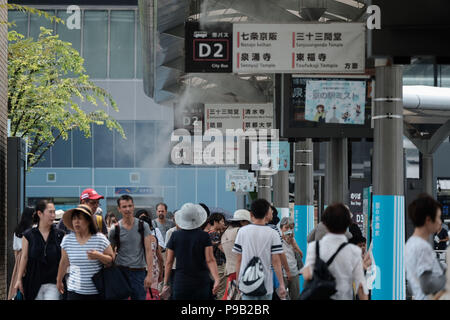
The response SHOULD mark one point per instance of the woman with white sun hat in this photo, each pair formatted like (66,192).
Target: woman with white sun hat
(193,250)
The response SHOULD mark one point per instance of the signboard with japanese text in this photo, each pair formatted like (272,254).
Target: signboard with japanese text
(240,181)
(238,116)
(208,47)
(299,48)
(356,203)
(335,101)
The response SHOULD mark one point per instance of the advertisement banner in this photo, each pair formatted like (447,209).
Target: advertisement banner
(303,48)
(335,101)
(238,116)
(240,181)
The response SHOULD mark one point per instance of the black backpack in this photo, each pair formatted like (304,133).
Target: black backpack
(323,284)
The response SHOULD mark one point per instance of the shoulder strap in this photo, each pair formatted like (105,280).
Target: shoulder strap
(336,253)
(141,231)
(117,236)
(99,222)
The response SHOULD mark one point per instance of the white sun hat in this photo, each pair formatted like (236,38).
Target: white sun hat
(59,214)
(190,216)
(241,215)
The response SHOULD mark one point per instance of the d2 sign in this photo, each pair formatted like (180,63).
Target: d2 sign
(208,47)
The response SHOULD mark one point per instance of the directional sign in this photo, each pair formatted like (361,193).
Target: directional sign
(208,47)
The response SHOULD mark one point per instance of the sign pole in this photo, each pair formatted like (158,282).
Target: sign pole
(388,177)
(304,194)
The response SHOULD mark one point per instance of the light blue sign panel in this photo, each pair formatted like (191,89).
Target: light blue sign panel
(388,229)
(304,224)
(335,101)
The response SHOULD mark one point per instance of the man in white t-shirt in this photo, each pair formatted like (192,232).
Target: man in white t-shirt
(259,240)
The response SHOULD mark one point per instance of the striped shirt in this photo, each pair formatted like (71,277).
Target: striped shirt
(81,268)
(258,241)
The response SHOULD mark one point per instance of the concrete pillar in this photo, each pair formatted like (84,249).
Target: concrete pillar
(281,193)
(336,171)
(264,186)
(427,173)
(388,222)
(240,200)
(304,194)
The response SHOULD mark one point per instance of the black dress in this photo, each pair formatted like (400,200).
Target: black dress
(43,260)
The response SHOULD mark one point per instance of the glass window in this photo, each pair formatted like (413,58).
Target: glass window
(418,74)
(103,147)
(70,35)
(122,44)
(95,43)
(62,153)
(21,21)
(145,148)
(82,150)
(445,76)
(139,65)
(40,21)
(124,149)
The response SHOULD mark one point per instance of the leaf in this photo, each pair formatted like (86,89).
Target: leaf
(43,101)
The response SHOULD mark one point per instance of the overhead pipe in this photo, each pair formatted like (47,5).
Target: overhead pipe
(426,98)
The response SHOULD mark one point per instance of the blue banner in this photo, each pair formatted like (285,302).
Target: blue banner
(388,230)
(304,224)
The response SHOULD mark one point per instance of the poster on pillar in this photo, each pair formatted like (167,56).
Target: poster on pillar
(388,227)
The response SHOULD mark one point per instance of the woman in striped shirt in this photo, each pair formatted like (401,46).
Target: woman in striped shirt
(85,251)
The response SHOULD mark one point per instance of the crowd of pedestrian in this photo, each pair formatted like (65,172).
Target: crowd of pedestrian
(202,255)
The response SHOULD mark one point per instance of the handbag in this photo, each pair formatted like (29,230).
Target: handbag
(298,258)
(112,283)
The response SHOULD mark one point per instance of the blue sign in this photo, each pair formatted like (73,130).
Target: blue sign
(133,190)
(304,224)
(388,231)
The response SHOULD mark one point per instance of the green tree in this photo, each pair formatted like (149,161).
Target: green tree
(46,84)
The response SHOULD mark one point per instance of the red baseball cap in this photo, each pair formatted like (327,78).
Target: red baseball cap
(90,194)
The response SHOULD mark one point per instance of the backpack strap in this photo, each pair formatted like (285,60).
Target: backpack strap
(336,253)
(117,236)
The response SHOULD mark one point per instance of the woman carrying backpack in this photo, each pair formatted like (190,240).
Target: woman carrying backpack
(347,265)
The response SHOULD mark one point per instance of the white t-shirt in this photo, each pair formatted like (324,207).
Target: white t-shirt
(17,243)
(261,241)
(157,233)
(81,268)
(346,267)
(419,257)
(290,257)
